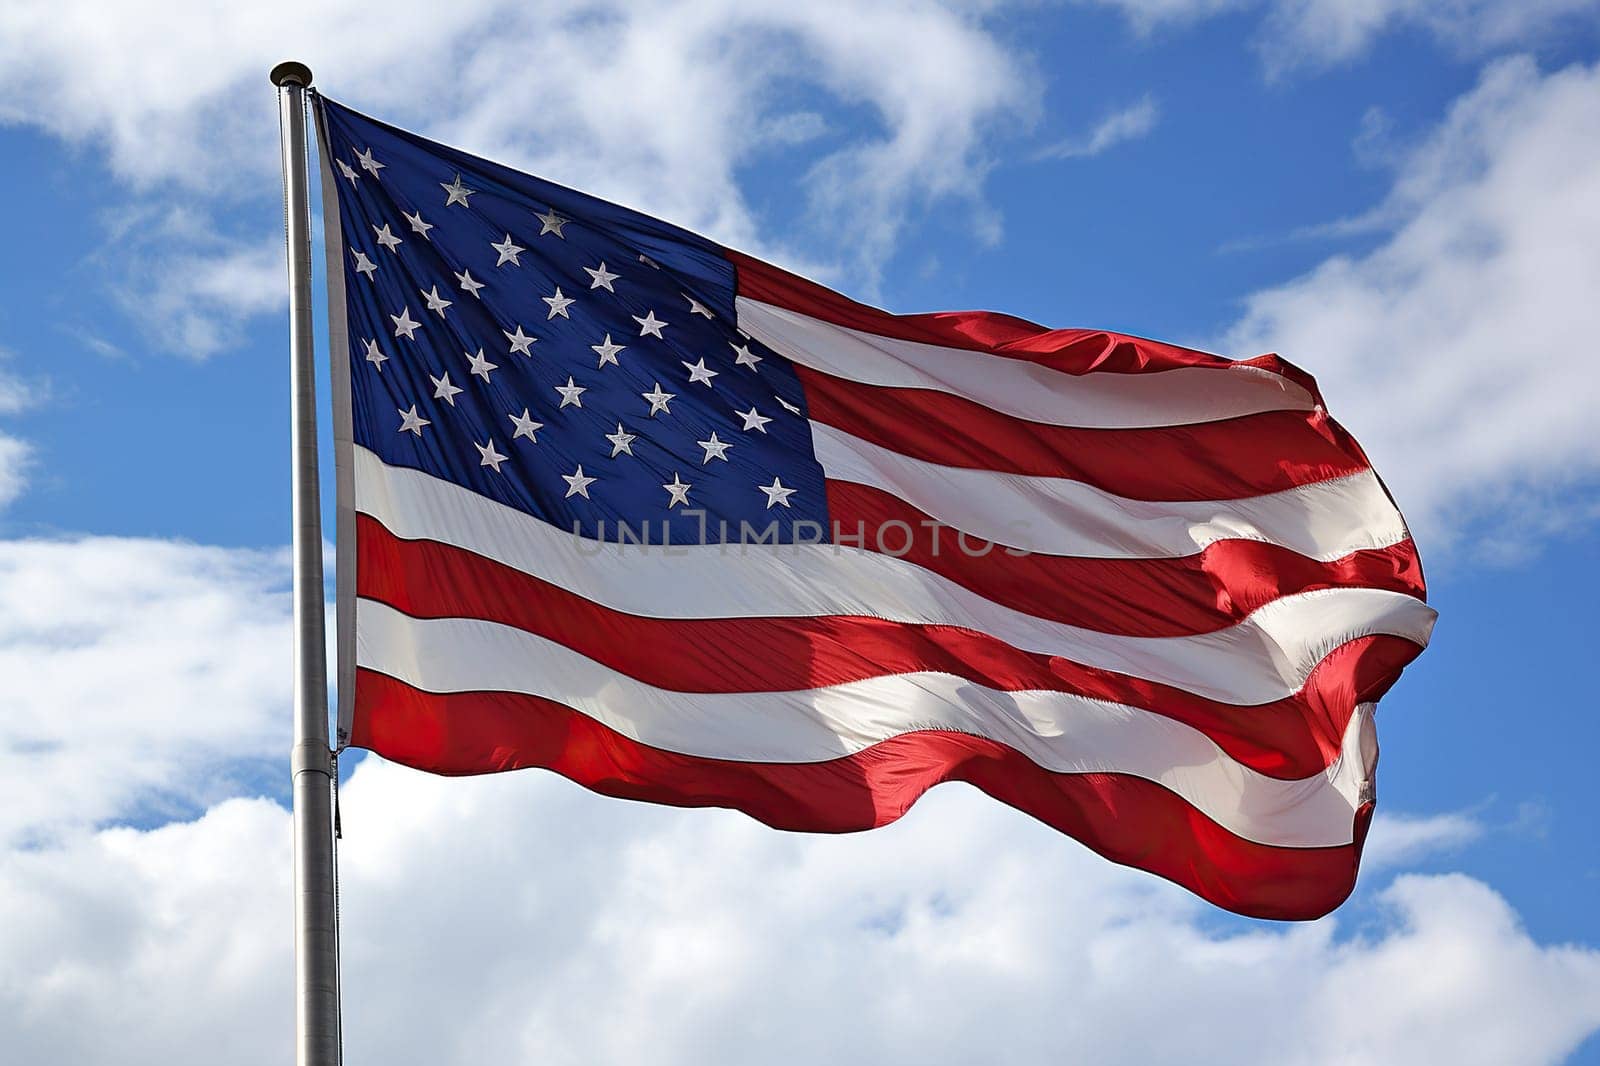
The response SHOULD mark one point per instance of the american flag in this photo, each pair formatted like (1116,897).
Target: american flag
(622,503)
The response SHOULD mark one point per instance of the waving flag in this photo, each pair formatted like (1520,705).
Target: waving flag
(622,503)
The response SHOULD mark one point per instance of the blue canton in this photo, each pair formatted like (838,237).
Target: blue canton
(562,355)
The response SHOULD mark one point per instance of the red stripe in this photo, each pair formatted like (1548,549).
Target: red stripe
(1292,738)
(1210,590)
(1224,460)
(1127,819)
(1070,351)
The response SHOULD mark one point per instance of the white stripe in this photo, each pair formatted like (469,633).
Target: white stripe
(1093,401)
(1263,658)
(1058,516)
(1059,731)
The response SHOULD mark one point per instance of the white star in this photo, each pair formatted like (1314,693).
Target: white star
(410,420)
(571,393)
(607,351)
(508,252)
(363,264)
(649,324)
(551,223)
(787,406)
(456,193)
(480,365)
(677,491)
(435,301)
(487,456)
(743,356)
(621,441)
(403,325)
(602,278)
(526,426)
(419,226)
(368,163)
(776,493)
(443,390)
(520,341)
(577,484)
(651,263)
(348,171)
(753,420)
(387,239)
(715,449)
(696,307)
(699,372)
(558,304)
(375,357)
(658,400)
(469,284)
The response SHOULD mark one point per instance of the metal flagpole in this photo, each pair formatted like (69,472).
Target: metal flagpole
(311,760)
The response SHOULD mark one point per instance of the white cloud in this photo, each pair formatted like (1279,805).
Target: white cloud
(1321,33)
(1399,838)
(141,947)
(658,105)
(143,677)
(16,456)
(1147,16)
(1461,350)
(202,292)
(1128,124)
(15,393)
(532,920)
(189,287)
(517,918)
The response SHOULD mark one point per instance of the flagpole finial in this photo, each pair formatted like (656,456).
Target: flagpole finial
(291,73)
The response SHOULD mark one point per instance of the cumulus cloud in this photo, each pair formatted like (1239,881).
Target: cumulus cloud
(1128,124)
(145,678)
(519,919)
(129,946)
(658,105)
(516,918)
(1460,349)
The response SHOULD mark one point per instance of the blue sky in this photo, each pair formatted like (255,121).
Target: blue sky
(1401,198)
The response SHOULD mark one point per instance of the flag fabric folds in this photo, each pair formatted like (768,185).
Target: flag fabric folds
(622,503)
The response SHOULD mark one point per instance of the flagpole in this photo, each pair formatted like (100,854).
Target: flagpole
(311,759)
